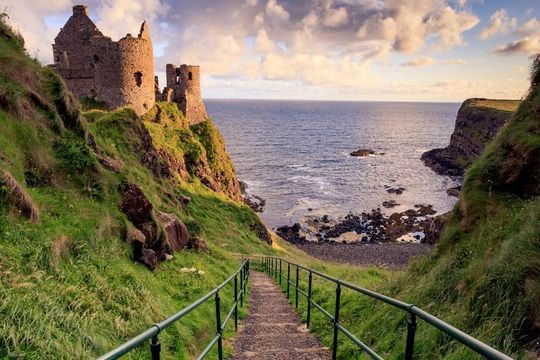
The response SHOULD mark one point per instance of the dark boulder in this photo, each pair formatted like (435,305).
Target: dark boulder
(197,244)
(149,258)
(175,231)
(135,204)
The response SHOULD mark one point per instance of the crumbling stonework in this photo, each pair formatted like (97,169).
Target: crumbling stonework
(184,87)
(118,73)
(121,73)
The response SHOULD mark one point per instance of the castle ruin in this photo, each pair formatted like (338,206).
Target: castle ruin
(121,73)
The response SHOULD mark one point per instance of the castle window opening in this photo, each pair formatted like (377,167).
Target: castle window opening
(138,78)
(190,76)
(96,58)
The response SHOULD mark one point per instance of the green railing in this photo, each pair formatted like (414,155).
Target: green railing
(273,267)
(152,333)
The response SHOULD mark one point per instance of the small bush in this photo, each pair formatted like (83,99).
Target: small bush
(74,154)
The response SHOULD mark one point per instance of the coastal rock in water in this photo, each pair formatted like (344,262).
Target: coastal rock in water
(390,204)
(256,203)
(477,123)
(412,225)
(362,152)
(397,191)
(454,191)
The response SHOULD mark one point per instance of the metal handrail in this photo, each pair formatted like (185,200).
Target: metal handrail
(270,266)
(153,332)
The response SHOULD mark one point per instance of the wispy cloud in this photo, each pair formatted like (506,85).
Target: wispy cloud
(500,23)
(426,61)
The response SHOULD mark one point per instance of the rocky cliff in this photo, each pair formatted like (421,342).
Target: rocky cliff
(478,122)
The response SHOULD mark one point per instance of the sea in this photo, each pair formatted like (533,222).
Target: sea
(295,154)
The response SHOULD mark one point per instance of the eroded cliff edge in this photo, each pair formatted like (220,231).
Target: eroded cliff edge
(478,122)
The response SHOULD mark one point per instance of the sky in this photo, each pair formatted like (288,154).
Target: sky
(360,50)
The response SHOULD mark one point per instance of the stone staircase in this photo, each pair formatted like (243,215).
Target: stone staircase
(272,330)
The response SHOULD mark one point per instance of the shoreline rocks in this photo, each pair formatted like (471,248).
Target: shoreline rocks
(255,202)
(413,225)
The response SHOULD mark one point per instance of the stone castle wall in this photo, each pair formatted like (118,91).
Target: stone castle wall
(118,73)
(185,82)
(121,73)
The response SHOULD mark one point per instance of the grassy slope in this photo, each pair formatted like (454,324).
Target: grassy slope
(68,286)
(502,105)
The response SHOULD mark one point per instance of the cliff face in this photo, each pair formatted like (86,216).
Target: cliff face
(478,122)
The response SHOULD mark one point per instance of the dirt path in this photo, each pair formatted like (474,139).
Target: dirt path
(272,330)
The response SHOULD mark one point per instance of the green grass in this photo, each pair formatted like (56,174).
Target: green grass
(68,285)
(502,105)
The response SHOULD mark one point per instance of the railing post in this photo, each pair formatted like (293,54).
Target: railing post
(155,348)
(288,278)
(236,302)
(309,299)
(336,321)
(411,331)
(245,278)
(279,272)
(218,326)
(242,288)
(296,295)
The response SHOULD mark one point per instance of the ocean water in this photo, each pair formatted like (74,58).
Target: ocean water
(295,154)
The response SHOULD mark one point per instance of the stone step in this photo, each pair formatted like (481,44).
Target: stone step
(272,330)
(282,354)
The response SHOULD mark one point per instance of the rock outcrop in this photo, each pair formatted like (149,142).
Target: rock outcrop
(156,235)
(477,123)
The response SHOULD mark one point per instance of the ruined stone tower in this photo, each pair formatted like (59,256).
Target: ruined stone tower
(118,73)
(184,87)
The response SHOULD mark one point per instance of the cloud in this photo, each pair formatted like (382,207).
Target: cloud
(29,17)
(531,27)
(425,61)
(499,23)
(130,14)
(273,9)
(335,17)
(529,44)
(338,46)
